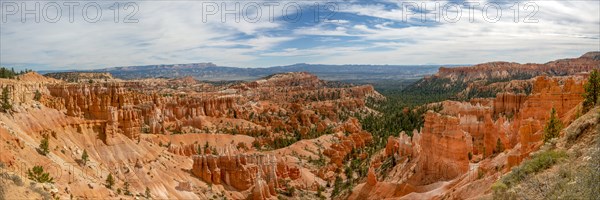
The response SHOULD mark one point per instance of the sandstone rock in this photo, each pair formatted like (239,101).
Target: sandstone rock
(444,148)
(240,171)
(371,177)
(184,186)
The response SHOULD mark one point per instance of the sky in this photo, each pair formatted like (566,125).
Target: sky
(101,34)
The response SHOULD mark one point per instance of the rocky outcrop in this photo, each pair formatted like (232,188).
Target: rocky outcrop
(561,94)
(371,177)
(444,148)
(357,138)
(22,88)
(508,103)
(242,172)
(401,147)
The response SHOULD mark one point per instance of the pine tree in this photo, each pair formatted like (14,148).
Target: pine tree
(499,146)
(84,157)
(592,91)
(6,99)
(337,186)
(553,126)
(206,146)
(110,181)
(3,73)
(44,146)
(37,95)
(148,195)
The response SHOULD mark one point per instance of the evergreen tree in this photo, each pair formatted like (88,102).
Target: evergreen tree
(337,186)
(148,195)
(37,95)
(6,73)
(6,99)
(499,146)
(110,181)
(206,146)
(84,157)
(592,91)
(44,147)
(553,126)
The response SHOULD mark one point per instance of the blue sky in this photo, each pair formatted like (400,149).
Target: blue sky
(345,32)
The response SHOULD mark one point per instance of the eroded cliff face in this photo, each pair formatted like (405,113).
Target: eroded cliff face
(479,138)
(24,87)
(444,146)
(242,172)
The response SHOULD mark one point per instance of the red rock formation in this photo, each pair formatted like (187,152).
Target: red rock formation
(22,89)
(560,94)
(440,151)
(371,178)
(357,138)
(500,70)
(508,103)
(444,148)
(392,146)
(243,171)
(401,147)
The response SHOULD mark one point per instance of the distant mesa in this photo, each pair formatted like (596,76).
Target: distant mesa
(212,72)
(81,76)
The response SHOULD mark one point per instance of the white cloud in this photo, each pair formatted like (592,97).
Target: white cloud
(565,29)
(167,32)
(174,32)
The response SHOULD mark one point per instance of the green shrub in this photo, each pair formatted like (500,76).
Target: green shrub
(126,189)
(16,179)
(40,190)
(537,163)
(37,174)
